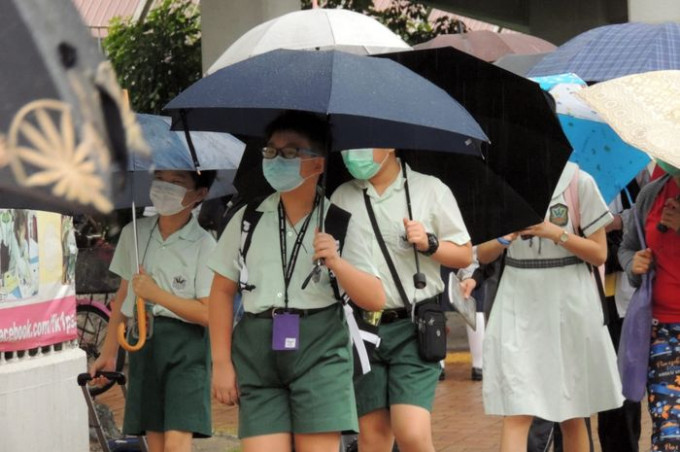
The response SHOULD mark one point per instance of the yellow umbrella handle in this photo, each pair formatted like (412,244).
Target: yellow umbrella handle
(141,322)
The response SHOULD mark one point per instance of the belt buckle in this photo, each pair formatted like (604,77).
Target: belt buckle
(277,311)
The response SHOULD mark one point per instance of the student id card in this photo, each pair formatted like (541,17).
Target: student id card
(286,332)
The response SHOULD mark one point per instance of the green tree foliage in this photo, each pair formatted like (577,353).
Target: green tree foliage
(158,58)
(406,18)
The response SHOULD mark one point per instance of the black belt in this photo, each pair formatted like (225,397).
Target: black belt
(392,315)
(271,312)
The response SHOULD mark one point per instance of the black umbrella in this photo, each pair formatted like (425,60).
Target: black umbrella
(61,127)
(511,187)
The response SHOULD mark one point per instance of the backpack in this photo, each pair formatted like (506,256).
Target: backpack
(572,199)
(364,336)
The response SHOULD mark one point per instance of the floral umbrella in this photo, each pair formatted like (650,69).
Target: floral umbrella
(63,125)
(597,148)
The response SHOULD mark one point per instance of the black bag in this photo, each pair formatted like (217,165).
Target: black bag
(431,325)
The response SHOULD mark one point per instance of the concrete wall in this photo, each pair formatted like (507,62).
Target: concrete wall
(41,406)
(224,21)
(654,10)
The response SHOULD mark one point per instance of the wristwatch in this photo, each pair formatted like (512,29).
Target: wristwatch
(432,245)
(563,237)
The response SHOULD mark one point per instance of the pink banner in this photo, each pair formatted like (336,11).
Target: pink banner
(39,324)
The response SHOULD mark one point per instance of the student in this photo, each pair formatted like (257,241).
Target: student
(168,397)
(394,400)
(292,387)
(547,352)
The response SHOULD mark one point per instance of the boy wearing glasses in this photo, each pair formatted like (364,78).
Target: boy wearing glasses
(290,352)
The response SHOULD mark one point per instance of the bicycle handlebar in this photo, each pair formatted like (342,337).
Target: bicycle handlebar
(116,377)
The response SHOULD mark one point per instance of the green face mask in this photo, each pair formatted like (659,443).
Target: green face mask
(670,169)
(360,164)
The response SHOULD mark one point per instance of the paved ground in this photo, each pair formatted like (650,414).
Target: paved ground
(459,423)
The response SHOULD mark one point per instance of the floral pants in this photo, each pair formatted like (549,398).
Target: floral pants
(663,386)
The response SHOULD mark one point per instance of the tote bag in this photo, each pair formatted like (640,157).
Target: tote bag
(636,334)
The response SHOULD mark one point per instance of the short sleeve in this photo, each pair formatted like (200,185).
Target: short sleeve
(357,249)
(204,275)
(595,213)
(224,259)
(448,220)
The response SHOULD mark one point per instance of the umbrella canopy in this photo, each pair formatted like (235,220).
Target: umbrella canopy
(488,45)
(644,109)
(368,102)
(169,150)
(519,64)
(314,29)
(62,123)
(512,186)
(597,148)
(613,51)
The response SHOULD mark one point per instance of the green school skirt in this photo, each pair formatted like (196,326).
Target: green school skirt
(169,381)
(308,390)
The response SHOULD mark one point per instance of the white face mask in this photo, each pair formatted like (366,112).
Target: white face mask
(167,198)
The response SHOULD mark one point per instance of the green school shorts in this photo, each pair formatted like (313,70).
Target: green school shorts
(169,381)
(308,390)
(398,375)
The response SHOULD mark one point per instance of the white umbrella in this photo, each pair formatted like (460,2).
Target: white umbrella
(644,109)
(314,29)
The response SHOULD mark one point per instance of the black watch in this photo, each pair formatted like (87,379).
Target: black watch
(432,245)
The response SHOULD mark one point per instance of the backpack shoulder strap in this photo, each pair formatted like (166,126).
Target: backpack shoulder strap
(336,224)
(571,196)
(251,216)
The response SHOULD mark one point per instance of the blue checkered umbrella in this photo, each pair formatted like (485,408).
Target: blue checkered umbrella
(613,51)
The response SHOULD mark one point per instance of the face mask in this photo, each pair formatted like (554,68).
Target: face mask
(283,174)
(167,198)
(360,164)
(670,169)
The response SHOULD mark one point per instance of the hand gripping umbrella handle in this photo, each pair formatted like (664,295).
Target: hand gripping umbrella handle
(141,314)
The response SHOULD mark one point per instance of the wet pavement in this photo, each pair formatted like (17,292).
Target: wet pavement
(458,421)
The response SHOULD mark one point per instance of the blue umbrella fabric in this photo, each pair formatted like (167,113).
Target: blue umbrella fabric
(613,51)
(598,149)
(368,102)
(169,150)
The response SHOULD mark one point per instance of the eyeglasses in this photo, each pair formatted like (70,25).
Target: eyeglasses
(270,152)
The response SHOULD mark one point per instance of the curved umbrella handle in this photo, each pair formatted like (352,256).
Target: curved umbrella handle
(141,314)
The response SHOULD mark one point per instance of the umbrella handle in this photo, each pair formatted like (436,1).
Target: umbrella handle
(141,314)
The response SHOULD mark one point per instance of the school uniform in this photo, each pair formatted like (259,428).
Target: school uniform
(547,352)
(308,390)
(398,374)
(169,380)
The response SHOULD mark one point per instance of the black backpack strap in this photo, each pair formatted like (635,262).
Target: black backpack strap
(251,216)
(385,252)
(336,224)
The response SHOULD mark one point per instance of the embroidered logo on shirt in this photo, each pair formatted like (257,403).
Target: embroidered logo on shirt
(559,214)
(179,283)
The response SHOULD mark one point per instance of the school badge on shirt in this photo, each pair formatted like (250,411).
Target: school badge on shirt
(559,214)
(179,282)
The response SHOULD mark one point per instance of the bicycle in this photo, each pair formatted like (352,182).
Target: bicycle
(92,317)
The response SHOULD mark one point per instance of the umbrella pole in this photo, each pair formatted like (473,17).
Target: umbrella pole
(419,279)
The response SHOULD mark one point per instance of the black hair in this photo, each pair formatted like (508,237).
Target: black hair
(204,178)
(311,125)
